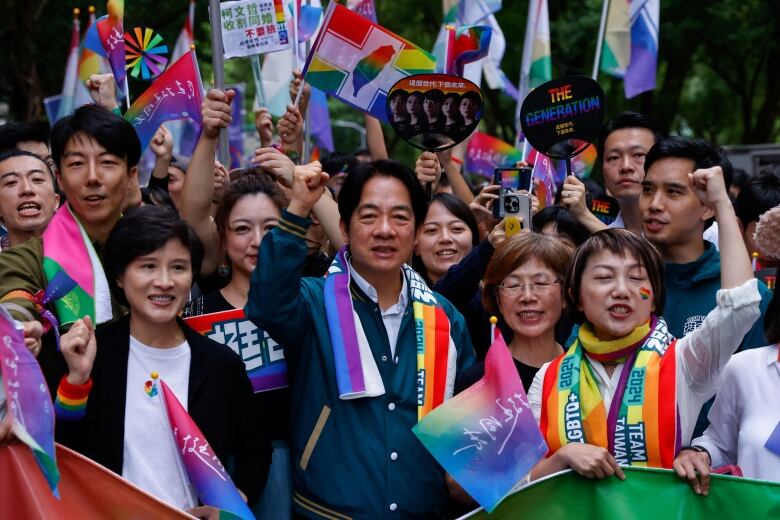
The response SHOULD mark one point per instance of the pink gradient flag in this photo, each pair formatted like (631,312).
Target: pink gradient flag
(485,153)
(107,38)
(29,402)
(175,94)
(207,475)
(486,437)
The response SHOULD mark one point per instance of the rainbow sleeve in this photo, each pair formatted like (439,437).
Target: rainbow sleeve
(71,401)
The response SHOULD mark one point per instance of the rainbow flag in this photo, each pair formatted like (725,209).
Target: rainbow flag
(205,471)
(308,21)
(106,37)
(485,153)
(90,63)
(319,116)
(548,174)
(28,400)
(536,67)
(177,93)
(357,61)
(466,44)
(185,132)
(616,50)
(486,437)
(70,83)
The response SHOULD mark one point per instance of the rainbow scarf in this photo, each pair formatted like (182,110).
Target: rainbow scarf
(356,372)
(641,427)
(68,251)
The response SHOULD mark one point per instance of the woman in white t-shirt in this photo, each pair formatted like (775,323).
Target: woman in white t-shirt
(109,406)
(744,425)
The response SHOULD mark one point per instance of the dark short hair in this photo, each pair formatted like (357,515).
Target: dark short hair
(11,134)
(435,94)
(157,196)
(112,132)
(630,120)
(476,98)
(451,95)
(10,154)
(565,223)
(141,231)
(621,242)
(396,93)
(703,154)
(758,196)
(337,162)
(514,252)
(251,182)
(354,182)
(740,179)
(361,151)
(772,319)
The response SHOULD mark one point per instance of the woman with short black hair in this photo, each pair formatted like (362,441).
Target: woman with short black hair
(106,406)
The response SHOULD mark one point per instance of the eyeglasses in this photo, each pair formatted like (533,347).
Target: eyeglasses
(513,289)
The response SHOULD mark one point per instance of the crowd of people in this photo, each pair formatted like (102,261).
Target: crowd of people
(621,335)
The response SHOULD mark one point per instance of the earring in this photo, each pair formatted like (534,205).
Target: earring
(223,269)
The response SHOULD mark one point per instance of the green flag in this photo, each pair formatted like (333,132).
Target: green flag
(646,494)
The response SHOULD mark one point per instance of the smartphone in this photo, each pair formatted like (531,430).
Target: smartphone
(512,180)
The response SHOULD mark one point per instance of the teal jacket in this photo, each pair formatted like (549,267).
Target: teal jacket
(351,458)
(690,296)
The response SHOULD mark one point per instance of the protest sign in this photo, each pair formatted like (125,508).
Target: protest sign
(253,27)
(28,399)
(561,117)
(486,437)
(262,356)
(434,111)
(485,153)
(358,62)
(605,209)
(646,494)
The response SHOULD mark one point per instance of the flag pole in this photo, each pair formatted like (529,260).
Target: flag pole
(600,41)
(127,94)
(306,126)
(218,62)
(258,77)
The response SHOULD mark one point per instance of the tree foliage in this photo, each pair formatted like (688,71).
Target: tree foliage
(718,74)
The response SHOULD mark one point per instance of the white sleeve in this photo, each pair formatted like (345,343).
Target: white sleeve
(535,393)
(721,437)
(703,353)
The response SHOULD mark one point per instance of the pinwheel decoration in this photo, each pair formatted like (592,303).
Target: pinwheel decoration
(145,53)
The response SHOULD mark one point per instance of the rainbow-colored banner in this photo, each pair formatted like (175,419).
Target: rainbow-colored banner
(106,37)
(486,153)
(175,94)
(262,356)
(206,473)
(465,45)
(357,61)
(29,402)
(550,173)
(486,437)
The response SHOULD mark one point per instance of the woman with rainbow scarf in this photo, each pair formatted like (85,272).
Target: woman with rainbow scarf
(625,392)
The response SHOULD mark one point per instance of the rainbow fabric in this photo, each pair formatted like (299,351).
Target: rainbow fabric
(205,471)
(308,21)
(641,427)
(357,61)
(486,153)
(486,437)
(467,44)
(27,397)
(106,37)
(70,83)
(71,401)
(90,62)
(67,249)
(356,372)
(177,93)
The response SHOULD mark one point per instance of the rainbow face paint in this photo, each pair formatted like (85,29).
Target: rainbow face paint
(644,292)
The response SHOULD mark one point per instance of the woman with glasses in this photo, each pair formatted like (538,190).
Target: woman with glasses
(523,289)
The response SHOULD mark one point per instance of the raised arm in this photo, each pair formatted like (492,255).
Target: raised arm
(452,162)
(375,138)
(162,146)
(573,197)
(198,190)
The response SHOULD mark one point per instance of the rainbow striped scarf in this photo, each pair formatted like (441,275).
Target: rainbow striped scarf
(68,251)
(642,425)
(356,372)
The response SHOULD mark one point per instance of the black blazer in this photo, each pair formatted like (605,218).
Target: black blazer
(220,401)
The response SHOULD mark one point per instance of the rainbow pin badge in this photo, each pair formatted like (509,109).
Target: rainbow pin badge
(644,292)
(150,387)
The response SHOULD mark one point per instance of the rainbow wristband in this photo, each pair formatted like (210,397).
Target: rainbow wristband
(71,401)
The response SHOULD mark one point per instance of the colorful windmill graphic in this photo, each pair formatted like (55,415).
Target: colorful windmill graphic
(145,53)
